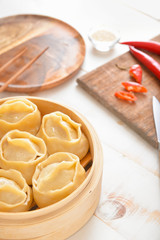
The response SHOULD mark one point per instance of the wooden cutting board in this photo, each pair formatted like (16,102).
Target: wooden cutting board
(104,81)
(59,63)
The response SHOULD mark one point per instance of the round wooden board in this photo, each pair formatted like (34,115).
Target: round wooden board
(35,32)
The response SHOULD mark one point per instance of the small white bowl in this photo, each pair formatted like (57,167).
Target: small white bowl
(103,37)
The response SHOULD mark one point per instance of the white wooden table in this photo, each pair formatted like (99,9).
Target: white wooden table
(129,208)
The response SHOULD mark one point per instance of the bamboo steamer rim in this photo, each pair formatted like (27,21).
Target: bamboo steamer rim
(48,211)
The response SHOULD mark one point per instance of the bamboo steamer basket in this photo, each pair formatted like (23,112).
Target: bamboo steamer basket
(64,218)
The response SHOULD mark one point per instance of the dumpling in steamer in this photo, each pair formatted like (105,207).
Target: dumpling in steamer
(56,177)
(15,194)
(21,114)
(62,134)
(22,151)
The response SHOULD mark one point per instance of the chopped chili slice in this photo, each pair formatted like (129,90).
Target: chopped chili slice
(125,96)
(134,87)
(135,71)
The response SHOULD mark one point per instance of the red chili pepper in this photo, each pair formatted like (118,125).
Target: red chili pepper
(151,46)
(134,87)
(147,60)
(126,96)
(135,71)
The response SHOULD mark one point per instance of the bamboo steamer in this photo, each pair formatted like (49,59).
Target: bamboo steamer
(62,219)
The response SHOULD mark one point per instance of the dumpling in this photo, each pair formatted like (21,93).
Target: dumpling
(15,194)
(20,114)
(22,151)
(62,134)
(56,177)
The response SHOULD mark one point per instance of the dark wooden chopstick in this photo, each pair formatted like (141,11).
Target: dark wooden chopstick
(11,80)
(86,160)
(12,60)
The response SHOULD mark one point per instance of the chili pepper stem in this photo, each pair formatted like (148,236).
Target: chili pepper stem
(122,67)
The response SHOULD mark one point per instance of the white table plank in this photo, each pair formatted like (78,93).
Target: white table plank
(130,198)
(150,8)
(95,230)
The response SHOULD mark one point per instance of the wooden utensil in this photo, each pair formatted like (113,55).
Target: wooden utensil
(86,162)
(12,60)
(63,59)
(24,68)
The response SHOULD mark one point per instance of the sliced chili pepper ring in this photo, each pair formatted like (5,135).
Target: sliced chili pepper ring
(135,71)
(134,87)
(128,96)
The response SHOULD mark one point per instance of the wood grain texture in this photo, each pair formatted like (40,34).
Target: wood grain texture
(130,197)
(34,32)
(104,81)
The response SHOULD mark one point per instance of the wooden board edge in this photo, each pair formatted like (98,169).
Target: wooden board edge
(120,116)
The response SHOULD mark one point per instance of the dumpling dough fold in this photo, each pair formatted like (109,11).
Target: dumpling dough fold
(21,114)
(22,151)
(62,134)
(56,177)
(15,194)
